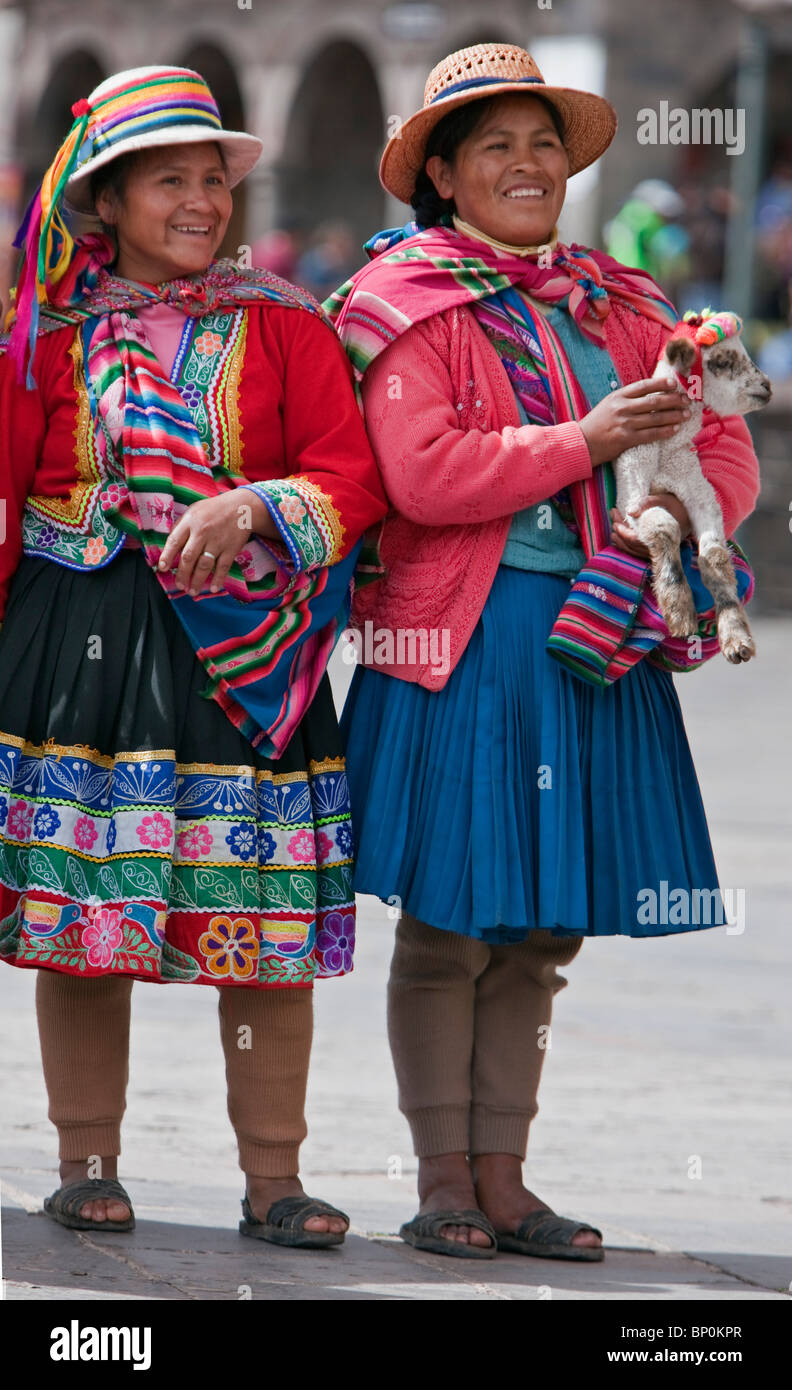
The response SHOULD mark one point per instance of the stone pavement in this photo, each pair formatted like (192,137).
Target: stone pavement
(663,1053)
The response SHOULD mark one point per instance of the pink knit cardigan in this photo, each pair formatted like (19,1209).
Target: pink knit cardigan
(456,464)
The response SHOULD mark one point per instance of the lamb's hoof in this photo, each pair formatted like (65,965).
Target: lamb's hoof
(738,647)
(734,636)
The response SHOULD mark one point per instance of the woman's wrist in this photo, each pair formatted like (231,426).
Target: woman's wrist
(261,520)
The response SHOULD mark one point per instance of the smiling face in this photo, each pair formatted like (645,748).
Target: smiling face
(508,178)
(171,214)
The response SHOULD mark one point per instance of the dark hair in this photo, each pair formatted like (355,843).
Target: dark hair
(445,139)
(113,176)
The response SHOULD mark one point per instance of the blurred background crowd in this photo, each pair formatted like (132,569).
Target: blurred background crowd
(324,83)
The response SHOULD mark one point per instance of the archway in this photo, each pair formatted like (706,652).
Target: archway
(335,134)
(40,134)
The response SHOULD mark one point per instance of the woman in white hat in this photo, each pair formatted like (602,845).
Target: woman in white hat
(519,767)
(187,480)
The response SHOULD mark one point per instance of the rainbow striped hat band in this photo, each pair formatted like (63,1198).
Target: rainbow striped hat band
(132,110)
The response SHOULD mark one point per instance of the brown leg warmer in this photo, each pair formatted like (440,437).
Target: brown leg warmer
(464,1022)
(431,1009)
(514,1003)
(84,1032)
(266,1037)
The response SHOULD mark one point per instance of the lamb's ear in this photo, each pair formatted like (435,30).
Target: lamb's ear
(681,354)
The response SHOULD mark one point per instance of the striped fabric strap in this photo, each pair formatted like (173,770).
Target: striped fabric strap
(611,619)
(263,640)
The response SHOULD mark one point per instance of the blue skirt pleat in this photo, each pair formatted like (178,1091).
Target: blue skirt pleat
(519,796)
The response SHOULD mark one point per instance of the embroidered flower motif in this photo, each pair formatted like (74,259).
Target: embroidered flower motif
(3,810)
(344,840)
(230,947)
(46,822)
(95,551)
(245,561)
(161,509)
(301,847)
(20,818)
(48,535)
(324,847)
(155,831)
(597,591)
(336,940)
(111,836)
(267,846)
(114,495)
(292,510)
(194,842)
(208,343)
(85,833)
(103,935)
(243,840)
(133,328)
(191,394)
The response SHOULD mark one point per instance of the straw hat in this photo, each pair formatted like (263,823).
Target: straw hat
(149,106)
(488,70)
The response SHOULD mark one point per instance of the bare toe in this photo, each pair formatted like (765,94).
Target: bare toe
(586,1238)
(117,1211)
(452,1233)
(317,1223)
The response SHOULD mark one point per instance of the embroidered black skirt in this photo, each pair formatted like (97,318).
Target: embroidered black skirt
(140,832)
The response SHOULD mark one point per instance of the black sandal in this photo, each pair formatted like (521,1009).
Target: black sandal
(285,1223)
(549,1237)
(64,1205)
(422,1233)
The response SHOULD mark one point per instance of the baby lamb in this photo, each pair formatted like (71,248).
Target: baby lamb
(710,364)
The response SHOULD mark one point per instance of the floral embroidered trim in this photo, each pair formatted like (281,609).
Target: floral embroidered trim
(231,403)
(76,531)
(202,376)
(307,521)
(147,867)
(327,518)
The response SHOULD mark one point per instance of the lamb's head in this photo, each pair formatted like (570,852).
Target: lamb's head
(712,365)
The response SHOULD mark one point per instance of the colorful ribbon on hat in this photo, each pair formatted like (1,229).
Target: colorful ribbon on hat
(46,243)
(132,108)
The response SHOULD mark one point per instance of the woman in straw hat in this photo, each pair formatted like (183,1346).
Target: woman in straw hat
(519,768)
(180,437)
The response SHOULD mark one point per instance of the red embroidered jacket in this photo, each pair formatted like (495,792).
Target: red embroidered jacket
(288,411)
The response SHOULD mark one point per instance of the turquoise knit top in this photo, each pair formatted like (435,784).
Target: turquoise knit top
(538,539)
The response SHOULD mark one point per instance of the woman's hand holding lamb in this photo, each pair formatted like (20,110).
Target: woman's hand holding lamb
(639,413)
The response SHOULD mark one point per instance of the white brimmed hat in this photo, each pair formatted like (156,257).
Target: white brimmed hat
(145,107)
(489,70)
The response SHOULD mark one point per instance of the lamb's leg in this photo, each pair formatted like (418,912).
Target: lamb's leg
(635,472)
(661,533)
(717,571)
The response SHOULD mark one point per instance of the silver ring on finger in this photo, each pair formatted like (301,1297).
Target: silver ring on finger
(209,553)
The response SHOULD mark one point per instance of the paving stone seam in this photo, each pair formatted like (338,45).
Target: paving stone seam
(733,1274)
(120,1258)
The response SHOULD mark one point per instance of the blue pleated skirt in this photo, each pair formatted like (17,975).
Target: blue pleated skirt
(519,796)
